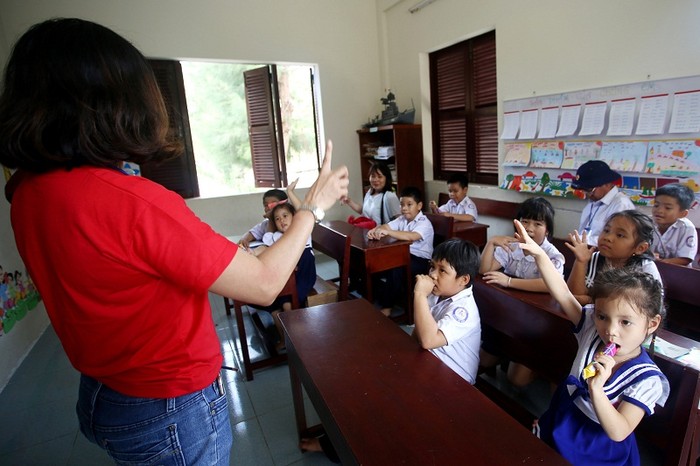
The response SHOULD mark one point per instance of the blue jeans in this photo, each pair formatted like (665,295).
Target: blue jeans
(192,429)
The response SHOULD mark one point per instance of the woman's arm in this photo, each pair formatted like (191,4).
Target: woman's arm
(352,204)
(259,280)
(551,276)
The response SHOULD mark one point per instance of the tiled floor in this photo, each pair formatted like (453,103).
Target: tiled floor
(38,424)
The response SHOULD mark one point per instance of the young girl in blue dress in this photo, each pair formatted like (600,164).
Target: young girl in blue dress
(592,422)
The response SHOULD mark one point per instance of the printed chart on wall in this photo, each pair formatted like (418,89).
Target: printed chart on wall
(649,132)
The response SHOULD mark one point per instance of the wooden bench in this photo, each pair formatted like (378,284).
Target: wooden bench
(323,292)
(682,287)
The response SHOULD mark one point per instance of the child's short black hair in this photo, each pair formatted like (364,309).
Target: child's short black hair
(462,255)
(460,178)
(680,192)
(412,191)
(276,193)
(538,209)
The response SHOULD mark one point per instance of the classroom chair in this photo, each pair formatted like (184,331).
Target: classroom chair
(335,245)
(289,289)
(443,227)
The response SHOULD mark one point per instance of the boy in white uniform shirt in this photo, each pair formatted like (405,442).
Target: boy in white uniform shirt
(599,181)
(446,316)
(411,225)
(459,207)
(675,237)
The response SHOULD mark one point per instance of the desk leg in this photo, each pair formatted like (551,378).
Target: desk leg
(297,395)
(409,294)
(243,342)
(368,287)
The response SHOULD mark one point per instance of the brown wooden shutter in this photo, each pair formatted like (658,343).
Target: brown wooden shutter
(464,100)
(485,108)
(178,174)
(266,149)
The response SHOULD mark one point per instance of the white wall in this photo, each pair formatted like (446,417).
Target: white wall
(339,36)
(543,47)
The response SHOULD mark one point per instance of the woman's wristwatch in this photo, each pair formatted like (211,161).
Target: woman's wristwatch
(318,212)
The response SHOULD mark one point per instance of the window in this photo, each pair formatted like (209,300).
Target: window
(464,108)
(229,151)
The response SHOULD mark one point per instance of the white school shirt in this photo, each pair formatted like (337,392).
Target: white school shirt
(259,230)
(421,225)
(372,206)
(271,237)
(458,319)
(598,263)
(466,207)
(679,240)
(595,214)
(516,264)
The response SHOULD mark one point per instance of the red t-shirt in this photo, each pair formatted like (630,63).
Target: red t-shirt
(124,267)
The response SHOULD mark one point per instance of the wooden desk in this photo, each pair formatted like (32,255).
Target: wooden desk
(384,400)
(682,287)
(471,231)
(532,329)
(371,256)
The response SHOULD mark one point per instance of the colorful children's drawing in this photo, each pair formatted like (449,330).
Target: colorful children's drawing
(673,158)
(546,154)
(576,153)
(517,154)
(541,182)
(18,295)
(625,156)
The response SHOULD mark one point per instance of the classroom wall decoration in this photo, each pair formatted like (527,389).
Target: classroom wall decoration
(649,132)
(18,295)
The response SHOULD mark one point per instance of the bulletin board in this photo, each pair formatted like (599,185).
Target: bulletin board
(649,132)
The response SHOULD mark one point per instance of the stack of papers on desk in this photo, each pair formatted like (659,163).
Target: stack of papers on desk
(692,358)
(666,348)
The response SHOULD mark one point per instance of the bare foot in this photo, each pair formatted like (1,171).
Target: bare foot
(386,311)
(310,444)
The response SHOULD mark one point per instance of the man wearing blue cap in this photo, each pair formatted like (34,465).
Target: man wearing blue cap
(599,181)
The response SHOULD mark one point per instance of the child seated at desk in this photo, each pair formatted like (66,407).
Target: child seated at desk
(519,271)
(675,237)
(459,207)
(270,199)
(501,252)
(624,242)
(593,414)
(446,316)
(411,225)
(281,217)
